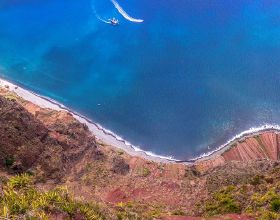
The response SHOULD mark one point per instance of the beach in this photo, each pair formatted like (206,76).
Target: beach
(107,137)
(101,134)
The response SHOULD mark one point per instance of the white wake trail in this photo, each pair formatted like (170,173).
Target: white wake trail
(98,17)
(124,14)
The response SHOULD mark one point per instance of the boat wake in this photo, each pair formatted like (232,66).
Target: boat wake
(124,14)
(98,17)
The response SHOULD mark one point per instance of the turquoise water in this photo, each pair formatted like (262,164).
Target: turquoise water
(191,76)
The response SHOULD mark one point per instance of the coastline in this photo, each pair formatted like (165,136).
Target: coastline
(102,134)
(113,140)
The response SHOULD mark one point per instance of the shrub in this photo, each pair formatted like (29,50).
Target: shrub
(144,172)
(9,161)
(223,202)
(256,180)
(275,205)
(20,181)
(21,199)
(178,212)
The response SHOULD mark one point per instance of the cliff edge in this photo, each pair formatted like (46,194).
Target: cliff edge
(54,148)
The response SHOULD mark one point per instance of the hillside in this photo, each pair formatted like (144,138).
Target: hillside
(58,151)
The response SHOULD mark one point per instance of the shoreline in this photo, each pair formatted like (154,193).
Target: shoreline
(102,134)
(113,140)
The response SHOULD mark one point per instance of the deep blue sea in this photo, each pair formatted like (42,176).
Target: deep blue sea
(191,76)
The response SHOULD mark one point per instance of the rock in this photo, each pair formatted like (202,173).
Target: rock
(98,155)
(119,166)
(192,172)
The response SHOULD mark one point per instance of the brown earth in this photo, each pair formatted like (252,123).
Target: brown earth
(59,150)
(264,146)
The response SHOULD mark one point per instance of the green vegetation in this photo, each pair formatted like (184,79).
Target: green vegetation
(256,180)
(143,171)
(223,202)
(9,161)
(120,152)
(137,211)
(259,198)
(178,212)
(266,205)
(275,205)
(20,199)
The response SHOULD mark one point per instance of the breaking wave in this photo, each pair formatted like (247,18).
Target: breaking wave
(89,122)
(246,133)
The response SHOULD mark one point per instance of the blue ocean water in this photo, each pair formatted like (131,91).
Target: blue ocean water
(191,76)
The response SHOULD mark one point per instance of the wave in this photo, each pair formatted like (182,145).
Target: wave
(104,130)
(247,133)
(60,106)
(89,122)
(124,14)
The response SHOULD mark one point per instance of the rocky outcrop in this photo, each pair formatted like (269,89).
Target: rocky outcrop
(119,166)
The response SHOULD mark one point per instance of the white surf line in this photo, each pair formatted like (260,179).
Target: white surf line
(47,102)
(104,134)
(124,14)
(244,134)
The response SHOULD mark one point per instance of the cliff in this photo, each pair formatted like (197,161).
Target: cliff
(262,146)
(58,150)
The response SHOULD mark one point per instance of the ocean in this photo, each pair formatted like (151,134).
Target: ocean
(194,74)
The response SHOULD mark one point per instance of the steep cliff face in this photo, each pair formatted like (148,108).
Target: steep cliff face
(22,139)
(28,143)
(58,149)
(264,146)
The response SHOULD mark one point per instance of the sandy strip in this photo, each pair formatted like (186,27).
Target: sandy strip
(103,135)
(109,138)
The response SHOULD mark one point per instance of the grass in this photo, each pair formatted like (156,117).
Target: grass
(143,171)
(136,211)
(223,202)
(22,200)
(259,199)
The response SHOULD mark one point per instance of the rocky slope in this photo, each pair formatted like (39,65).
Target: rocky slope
(263,146)
(50,149)
(60,151)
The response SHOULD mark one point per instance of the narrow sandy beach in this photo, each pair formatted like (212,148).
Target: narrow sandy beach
(102,135)
(108,138)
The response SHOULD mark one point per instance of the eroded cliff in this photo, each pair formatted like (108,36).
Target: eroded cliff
(262,146)
(59,150)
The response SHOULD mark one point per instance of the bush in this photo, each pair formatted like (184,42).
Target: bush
(143,171)
(223,202)
(275,205)
(20,181)
(9,161)
(256,180)
(22,200)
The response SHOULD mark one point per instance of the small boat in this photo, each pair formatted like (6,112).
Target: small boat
(114,21)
